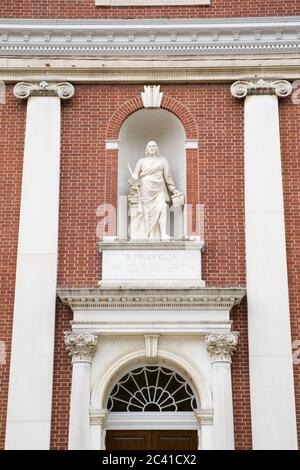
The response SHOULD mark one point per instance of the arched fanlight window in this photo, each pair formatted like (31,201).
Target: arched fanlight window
(152,388)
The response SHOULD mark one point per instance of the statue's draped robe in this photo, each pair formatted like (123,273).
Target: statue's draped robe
(155,181)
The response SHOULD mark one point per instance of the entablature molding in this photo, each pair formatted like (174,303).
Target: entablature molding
(153,299)
(155,37)
(149,71)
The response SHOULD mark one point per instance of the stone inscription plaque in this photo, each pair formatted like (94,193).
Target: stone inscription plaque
(153,265)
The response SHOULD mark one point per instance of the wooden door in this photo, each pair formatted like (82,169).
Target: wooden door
(151,440)
(174,440)
(128,440)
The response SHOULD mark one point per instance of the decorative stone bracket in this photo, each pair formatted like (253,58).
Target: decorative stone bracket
(151,346)
(152,97)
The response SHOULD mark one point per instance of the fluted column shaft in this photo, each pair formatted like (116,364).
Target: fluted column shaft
(82,348)
(221,347)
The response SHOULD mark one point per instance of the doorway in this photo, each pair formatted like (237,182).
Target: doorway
(151,440)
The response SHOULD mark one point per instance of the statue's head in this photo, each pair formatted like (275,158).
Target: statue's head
(152,149)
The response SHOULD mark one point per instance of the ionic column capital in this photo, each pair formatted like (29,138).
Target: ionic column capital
(24,90)
(81,346)
(281,88)
(221,346)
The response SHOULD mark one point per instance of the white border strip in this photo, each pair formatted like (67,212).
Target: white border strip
(149,3)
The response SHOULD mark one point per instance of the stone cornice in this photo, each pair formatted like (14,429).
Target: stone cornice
(149,37)
(131,299)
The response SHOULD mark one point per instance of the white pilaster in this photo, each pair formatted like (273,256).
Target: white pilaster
(31,369)
(270,354)
(205,432)
(82,348)
(98,419)
(221,347)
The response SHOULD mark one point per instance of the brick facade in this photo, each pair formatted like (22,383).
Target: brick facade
(87,9)
(290,130)
(89,178)
(215,178)
(12,125)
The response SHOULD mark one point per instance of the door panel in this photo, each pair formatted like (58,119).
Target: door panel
(128,440)
(174,440)
(151,440)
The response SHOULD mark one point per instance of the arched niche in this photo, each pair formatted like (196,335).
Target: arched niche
(137,130)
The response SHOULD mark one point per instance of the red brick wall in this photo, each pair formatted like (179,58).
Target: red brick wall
(216,175)
(61,381)
(290,132)
(216,180)
(12,125)
(87,9)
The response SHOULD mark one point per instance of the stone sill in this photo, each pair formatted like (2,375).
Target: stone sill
(151,245)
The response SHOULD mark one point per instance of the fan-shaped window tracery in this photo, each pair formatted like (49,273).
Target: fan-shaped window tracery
(152,388)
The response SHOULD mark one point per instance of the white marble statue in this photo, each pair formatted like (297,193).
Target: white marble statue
(151,191)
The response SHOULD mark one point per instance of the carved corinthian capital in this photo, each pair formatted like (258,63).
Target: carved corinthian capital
(281,88)
(63,90)
(81,346)
(221,346)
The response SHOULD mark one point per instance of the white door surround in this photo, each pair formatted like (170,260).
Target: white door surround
(199,420)
(195,339)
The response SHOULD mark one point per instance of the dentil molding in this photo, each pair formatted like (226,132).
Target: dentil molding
(281,88)
(131,299)
(82,38)
(24,90)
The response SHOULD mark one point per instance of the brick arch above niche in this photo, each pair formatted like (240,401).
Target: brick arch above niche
(168,103)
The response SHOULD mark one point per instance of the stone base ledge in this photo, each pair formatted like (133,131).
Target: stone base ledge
(116,244)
